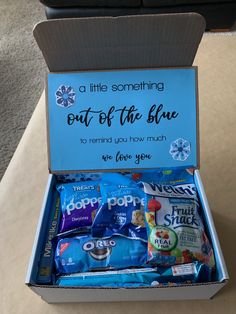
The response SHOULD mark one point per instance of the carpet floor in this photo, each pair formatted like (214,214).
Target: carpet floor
(22,72)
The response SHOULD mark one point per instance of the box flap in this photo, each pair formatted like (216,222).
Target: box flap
(146,41)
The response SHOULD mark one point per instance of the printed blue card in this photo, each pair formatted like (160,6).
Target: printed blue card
(122,119)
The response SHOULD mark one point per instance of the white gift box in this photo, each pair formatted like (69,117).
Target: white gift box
(93,45)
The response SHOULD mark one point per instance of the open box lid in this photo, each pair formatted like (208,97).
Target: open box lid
(144,43)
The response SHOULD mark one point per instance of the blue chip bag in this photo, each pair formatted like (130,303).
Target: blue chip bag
(141,277)
(121,211)
(79,201)
(85,253)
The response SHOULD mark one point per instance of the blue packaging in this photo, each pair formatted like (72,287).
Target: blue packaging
(46,261)
(121,211)
(85,253)
(92,176)
(79,177)
(176,233)
(118,179)
(125,278)
(141,277)
(79,202)
(164,176)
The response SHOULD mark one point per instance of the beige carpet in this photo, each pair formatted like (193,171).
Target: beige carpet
(21,72)
(23,186)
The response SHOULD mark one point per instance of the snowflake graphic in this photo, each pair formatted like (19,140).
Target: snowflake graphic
(180,149)
(65,96)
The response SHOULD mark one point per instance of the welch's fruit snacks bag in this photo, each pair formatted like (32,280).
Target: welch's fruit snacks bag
(175,230)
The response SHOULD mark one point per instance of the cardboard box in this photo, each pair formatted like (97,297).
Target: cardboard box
(142,43)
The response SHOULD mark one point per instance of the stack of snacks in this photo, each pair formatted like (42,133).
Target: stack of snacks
(120,225)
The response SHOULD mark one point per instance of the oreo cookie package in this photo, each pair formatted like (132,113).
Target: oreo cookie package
(85,253)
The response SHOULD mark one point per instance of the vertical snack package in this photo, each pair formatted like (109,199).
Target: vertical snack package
(121,211)
(46,261)
(79,202)
(176,233)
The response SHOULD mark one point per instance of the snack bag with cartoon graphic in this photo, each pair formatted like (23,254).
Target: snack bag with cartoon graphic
(79,201)
(121,212)
(176,233)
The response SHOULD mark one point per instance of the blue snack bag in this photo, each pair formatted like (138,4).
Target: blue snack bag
(142,277)
(121,212)
(138,277)
(118,179)
(85,253)
(164,176)
(79,201)
(176,233)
